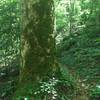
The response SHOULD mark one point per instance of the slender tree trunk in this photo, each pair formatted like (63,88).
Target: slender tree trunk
(71,14)
(37,42)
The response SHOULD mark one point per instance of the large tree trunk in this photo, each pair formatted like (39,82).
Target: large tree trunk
(37,42)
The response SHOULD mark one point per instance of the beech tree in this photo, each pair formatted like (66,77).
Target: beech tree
(37,43)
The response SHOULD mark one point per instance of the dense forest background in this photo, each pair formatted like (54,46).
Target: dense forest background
(77,34)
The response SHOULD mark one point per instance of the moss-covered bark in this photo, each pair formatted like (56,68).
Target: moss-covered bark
(37,42)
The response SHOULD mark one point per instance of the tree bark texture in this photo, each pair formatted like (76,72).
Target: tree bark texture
(37,40)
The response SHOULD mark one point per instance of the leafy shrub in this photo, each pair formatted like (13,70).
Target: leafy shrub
(61,87)
(95,93)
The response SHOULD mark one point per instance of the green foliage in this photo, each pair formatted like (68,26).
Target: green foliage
(51,89)
(9,31)
(9,47)
(80,50)
(95,93)
(61,86)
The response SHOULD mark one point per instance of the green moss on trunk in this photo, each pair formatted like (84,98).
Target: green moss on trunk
(37,44)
